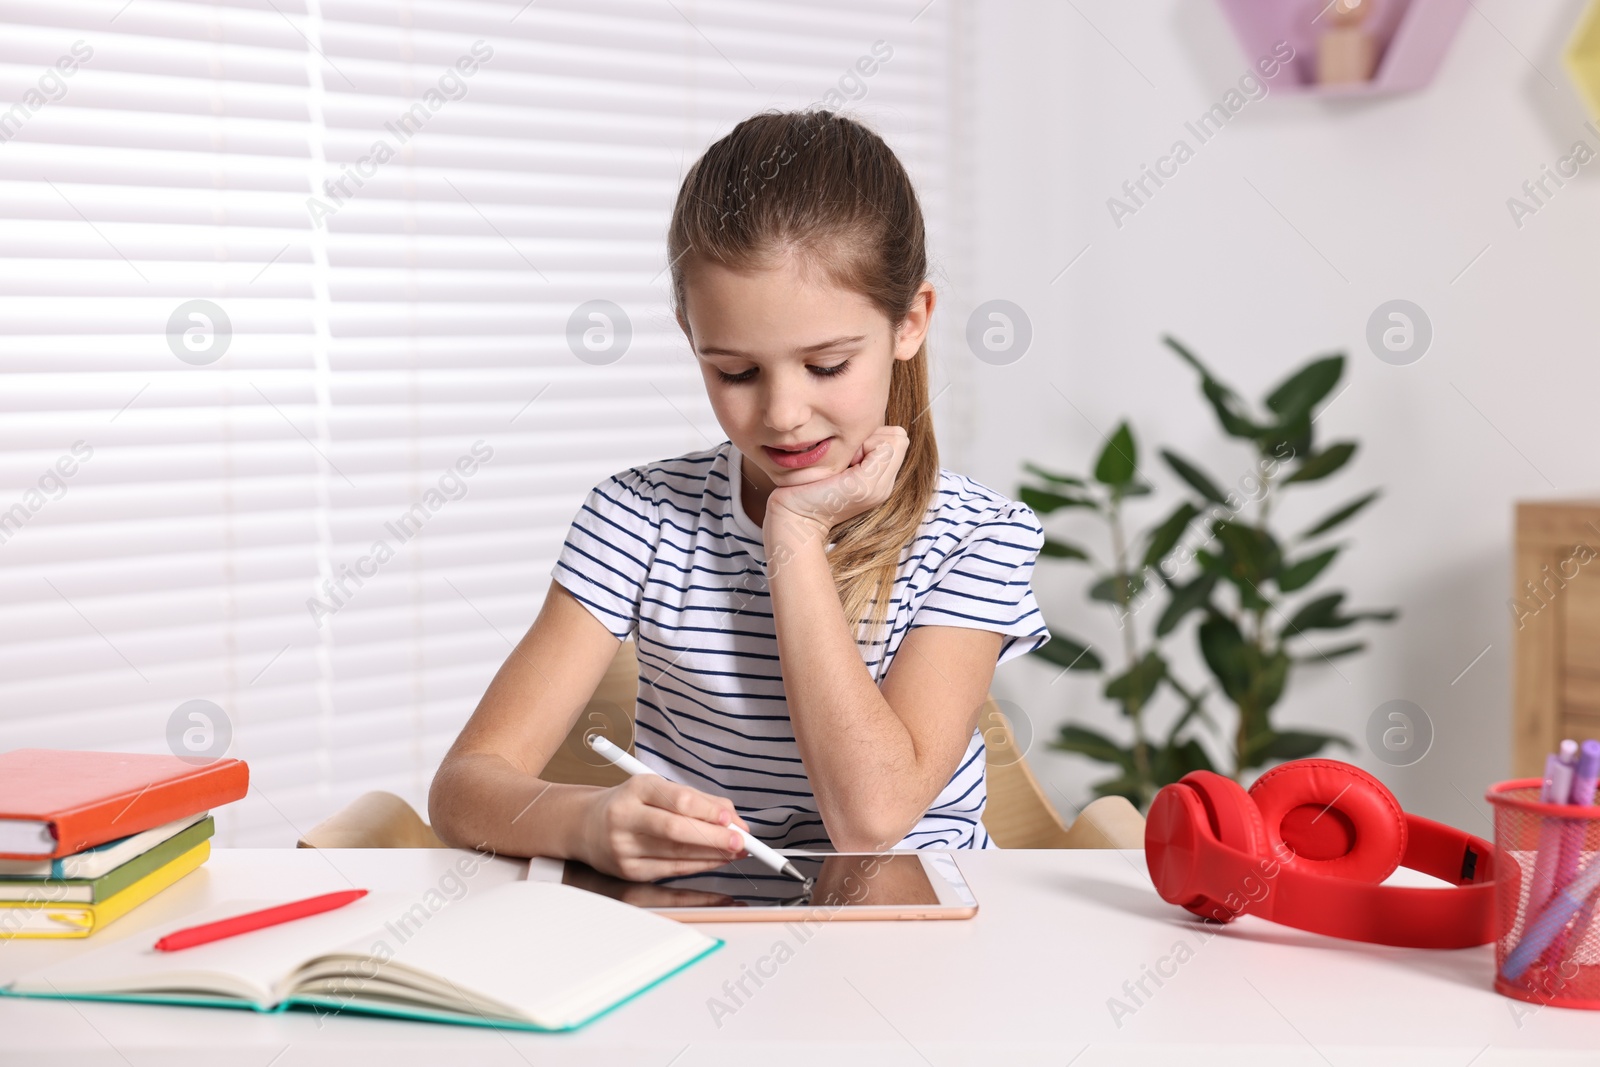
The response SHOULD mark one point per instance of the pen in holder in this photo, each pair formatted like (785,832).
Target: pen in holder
(1547,951)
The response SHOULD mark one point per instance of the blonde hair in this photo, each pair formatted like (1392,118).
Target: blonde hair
(828,189)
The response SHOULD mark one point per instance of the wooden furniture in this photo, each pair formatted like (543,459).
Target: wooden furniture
(1555,630)
(1018,814)
(373,820)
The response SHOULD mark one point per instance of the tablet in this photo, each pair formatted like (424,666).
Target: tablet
(912,884)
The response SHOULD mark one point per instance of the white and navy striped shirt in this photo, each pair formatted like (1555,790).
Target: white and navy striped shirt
(666,551)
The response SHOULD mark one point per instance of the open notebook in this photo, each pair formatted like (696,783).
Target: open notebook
(522,955)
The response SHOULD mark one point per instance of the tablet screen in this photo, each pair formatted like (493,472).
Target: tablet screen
(840,880)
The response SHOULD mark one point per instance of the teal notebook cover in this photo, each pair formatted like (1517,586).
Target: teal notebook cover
(335,1006)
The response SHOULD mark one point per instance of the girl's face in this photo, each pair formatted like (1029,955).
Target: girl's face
(811,361)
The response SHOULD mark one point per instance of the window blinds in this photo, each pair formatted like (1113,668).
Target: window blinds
(291,427)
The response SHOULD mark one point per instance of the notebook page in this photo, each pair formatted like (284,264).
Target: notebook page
(246,965)
(553,952)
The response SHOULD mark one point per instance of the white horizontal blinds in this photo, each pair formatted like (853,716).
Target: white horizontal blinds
(167,165)
(398,430)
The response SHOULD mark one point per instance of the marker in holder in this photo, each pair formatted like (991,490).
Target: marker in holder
(1551,956)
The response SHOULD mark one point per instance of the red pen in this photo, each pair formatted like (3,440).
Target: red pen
(190,936)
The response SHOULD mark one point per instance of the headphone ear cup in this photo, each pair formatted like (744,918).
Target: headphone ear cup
(1201,808)
(1175,836)
(1331,818)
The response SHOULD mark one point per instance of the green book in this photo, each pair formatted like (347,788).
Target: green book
(95,890)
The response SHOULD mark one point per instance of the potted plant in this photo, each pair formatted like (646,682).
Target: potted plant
(1125,579)
(1249,583)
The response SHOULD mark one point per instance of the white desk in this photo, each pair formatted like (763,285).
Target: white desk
(1027,981)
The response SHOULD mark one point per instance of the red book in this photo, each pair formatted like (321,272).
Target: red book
(54,802)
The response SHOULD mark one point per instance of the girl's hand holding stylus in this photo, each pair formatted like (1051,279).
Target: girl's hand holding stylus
(649,827)
(812,509)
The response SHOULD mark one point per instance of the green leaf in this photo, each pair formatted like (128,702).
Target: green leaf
(1288,745)
(1386,615)
(1325,655)
(1299,393)
(1249,553)
(1226,404)
(1067,652)
(1344,514)
(1123,785)
(1271,675)
(1185,599)
(1062,550)
(1049,476)
(1197,479)
(1194,707)
(1133,687)
(1302,573)
(1319,614)
(1095,745)
(1250,597)
(1119,460)
(1184,354)
(1166,536)
(1226,654)
(1323,614)
(1323,463)
(1292,436)
(1224,401)
(1172,762)
(1136,488)
(1110,590)
(1287,451)
(1043,501)
(1253,682)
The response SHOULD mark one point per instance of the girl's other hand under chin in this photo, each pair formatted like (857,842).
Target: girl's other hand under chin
(815,507)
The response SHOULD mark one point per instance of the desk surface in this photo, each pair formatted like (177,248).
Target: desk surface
(1039,972)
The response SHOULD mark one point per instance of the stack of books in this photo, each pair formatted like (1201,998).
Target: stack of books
(86,837)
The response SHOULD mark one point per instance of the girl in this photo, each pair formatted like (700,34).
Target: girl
(819,606)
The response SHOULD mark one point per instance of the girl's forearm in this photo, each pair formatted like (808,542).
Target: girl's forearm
(858,754)
(478,800)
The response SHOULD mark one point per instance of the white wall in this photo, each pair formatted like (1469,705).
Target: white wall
(1396,194)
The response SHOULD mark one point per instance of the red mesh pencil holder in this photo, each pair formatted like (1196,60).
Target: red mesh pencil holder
(1551,845)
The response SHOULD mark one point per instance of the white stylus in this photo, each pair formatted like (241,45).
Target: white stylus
(755,847)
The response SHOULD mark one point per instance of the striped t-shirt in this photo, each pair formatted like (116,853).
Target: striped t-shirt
(665,552)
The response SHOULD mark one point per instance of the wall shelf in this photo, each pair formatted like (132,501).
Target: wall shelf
(1412,39)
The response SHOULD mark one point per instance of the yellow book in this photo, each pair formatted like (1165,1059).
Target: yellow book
(46,919)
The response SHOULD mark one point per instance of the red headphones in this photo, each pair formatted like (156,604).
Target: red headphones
(1307,847)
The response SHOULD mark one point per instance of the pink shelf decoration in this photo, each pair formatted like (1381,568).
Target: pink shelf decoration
(1412,38)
